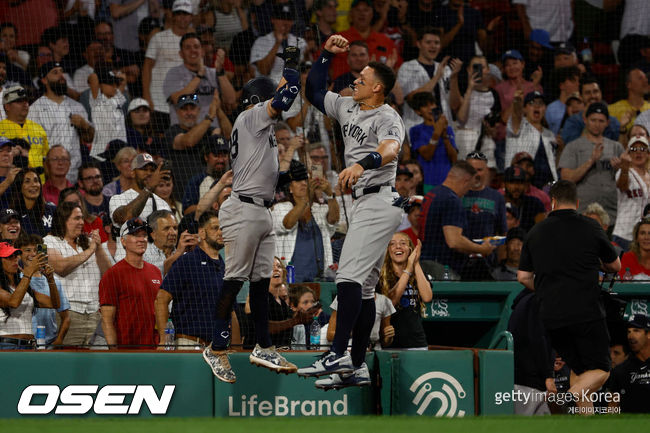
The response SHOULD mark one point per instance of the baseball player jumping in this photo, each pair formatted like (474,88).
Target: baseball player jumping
(373,133)
(245,219)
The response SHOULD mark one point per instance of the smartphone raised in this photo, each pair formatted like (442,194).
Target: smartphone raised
(477,69)
(41,249)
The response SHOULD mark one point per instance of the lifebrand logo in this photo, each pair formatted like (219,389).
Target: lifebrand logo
(426,392)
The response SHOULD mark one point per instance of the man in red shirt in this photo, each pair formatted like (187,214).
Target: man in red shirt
(127,292)
(380,47)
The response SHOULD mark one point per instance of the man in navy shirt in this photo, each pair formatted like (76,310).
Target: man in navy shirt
(194,283)
(531,210)
(443,220)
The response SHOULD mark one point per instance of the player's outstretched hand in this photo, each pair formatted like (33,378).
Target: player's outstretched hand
(337,44)
(349,177)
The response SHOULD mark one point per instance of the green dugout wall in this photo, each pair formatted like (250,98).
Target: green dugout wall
(419,383)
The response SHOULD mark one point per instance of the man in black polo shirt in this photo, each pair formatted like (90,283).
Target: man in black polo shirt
(560,260)
(632,378)
(194,283)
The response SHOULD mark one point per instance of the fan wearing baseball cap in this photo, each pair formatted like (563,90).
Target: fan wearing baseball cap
(629,379)
(17,300)
(591,161)
(139,201)
(127,292)
(513,80)
(16,105)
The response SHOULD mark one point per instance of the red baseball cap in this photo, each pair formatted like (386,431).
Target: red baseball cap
(7,250)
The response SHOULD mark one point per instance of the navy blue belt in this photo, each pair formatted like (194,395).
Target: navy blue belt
(17,341)
(370,190)
(251,200)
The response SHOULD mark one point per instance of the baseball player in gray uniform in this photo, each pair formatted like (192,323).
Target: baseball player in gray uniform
(373,133)
(246,222)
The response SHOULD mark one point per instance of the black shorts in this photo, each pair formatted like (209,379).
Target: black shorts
(583,346)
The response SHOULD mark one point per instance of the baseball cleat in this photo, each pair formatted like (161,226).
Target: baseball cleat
(328,363)
(220,365)
(271,359)
(360,377)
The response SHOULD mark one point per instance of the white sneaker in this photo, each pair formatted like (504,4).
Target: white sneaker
(360,377)
(328,363)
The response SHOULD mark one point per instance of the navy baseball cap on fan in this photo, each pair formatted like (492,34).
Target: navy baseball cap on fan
(564,48)
(7,215)
(293,168)
(184,100)
(134,225)
(512,54)
(513,210)
(515,233)
(284,11)
(597,107)
(514,174)
(640,321)
(47,67)
(403,170)
(356,2)
(531,96)
(105,75)
(216,144)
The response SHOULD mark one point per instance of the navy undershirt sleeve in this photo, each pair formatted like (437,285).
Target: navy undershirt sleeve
(317,81)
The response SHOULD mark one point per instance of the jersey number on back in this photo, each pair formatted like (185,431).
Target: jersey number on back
(234,146)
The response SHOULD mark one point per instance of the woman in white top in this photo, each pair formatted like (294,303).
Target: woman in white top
(17,299)
(472,108)
(304,224)
(79,261)
(633,184)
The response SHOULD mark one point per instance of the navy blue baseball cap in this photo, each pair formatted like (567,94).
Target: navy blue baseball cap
(597,107)
(515,174)
(512,54)
(640,321)
(531,96)
(134,225)
(47,67)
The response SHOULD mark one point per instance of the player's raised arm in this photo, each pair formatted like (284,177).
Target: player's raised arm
(317,78)
(289,86)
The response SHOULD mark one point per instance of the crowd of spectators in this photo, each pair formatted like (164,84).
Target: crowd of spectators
(115,129)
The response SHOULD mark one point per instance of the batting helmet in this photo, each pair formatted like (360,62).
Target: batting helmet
(257,90)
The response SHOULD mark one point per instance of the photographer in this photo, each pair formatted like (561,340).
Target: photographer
(79,261)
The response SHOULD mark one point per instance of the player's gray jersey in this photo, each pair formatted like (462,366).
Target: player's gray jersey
(254,153)
(362,131)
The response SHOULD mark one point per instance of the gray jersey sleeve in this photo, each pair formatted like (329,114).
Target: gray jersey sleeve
(334,103)
(254,153)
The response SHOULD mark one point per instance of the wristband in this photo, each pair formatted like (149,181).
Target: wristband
(370,161)
(207,117)
(221,73)
(147,190)
(407,273)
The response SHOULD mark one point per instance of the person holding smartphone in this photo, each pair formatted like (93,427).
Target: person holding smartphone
(472,107)
(304,225)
